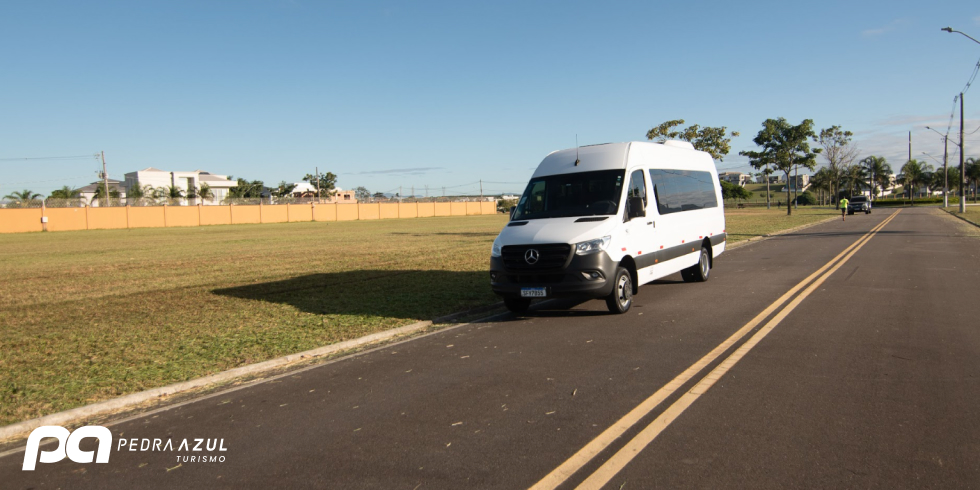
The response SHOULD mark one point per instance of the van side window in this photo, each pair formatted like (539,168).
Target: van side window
(682,190)
(638,187)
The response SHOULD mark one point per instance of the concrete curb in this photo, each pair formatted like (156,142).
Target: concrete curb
(12,431)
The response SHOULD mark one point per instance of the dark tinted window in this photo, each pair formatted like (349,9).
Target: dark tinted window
(574,194)
(859,199)
(682,190)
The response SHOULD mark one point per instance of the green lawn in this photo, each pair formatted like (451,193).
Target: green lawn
(90,315)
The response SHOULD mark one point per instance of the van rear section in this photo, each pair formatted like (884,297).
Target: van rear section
(599,221)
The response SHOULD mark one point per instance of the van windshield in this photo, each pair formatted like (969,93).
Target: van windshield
(571,195)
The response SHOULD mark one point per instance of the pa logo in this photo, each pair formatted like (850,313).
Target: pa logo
(67,445)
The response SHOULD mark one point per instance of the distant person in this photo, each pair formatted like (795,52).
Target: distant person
(843,209)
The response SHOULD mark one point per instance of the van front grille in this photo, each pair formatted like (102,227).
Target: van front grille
(550,256)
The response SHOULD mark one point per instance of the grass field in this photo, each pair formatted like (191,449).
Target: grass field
(87,316)
(972,213)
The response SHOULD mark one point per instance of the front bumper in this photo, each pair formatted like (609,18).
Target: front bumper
(573,280)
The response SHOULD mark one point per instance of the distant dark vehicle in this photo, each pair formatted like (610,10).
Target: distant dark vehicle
(858,204)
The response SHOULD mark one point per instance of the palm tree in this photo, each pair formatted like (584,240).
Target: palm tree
(855,178)
(822,181)
(205,192)
(972,174)
(101,197)
(876,168)
(913,173)
(24,195)
(65,192)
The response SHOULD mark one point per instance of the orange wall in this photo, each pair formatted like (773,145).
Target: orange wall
(106,218)
(146,217)
(426,209)
(65,219)
(444,209)
(183,216)
(274,214)
(388,210)
(215,215)
(300,212)
(346,212)
(408,210)
(20,220)
(244,214)
(368,211)
(325,212)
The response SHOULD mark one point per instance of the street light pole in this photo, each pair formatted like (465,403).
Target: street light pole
(945,168)
(962,201)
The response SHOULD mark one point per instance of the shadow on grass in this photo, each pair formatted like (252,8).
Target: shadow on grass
(410,294)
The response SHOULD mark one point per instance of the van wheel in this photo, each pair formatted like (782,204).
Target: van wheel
(621,297)
(698,272)
(517,305)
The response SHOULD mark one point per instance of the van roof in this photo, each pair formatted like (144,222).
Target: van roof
(607,156)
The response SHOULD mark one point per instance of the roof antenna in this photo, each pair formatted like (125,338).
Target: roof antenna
(577,161)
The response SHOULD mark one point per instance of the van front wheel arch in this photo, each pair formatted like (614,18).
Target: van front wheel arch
(621,298)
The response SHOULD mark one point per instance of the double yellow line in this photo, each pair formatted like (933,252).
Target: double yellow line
(626,454)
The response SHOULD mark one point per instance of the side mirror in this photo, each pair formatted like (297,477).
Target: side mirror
(635,208)
(512,209)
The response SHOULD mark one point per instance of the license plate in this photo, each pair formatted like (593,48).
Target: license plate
(533,292)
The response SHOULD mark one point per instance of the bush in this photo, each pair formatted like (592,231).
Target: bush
(806,199)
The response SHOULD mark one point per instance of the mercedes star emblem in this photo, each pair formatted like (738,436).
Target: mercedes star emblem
(531,256)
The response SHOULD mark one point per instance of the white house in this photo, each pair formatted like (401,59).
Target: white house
(737,178)
(186,181)
(87,193)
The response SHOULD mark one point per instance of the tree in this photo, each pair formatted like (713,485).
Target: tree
(938,179)
(378,195)
(913,172)
(806,199)
(205,192)
(973,174)
(362,194)
(839,152)
(732,191)
(821,181)
(24,195)
(855,178)
(246,189)
(100,196)
(326,182)
(716,141)
(784,146)
(65,192)
(172,192)
(876,168)
(283,189)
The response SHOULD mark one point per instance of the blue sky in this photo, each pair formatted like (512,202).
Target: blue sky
(389,94)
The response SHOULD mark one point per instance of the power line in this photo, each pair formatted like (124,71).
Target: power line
(75,157)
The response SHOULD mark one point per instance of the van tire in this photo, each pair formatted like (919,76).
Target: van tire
(699,272)
(621,298)
(517,305)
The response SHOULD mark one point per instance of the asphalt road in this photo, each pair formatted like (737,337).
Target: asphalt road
(868,379)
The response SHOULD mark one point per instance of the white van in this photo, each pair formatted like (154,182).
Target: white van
(599,221)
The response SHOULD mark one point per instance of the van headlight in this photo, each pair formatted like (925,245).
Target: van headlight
(495,250)
(592,246)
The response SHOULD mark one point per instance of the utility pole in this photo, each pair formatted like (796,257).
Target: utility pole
(105,178)
(910,146)
(945,172)
(481,189)
(426,191)
(317,177)
(962,174)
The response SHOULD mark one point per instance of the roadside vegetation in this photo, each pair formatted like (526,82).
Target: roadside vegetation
(91,315)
